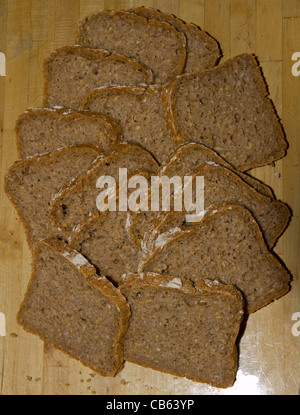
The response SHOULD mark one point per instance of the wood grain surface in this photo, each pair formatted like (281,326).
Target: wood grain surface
(270,343)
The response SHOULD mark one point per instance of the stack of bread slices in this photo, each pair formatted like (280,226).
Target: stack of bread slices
(145,91)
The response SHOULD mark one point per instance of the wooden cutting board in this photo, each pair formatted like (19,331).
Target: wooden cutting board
(270,344)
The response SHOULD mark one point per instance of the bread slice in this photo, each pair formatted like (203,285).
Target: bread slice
(32,183)
(182,162)
(188,156)
(157,45)
(43,130)
(202,50)
(72,72)
(104,241)
(74,203)
(79,312)
(226,246)
(221,185)
(226,108)
(139,112)
(182,329)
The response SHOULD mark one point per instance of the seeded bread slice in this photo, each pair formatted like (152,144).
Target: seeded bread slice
(226,246)
(202,50)
(155,44)
(79,312)
(72,72)
(74,203)
(139,112)
(182,329)
(226,108)
(44,130)
(32,183)
(221,185)
(104,241)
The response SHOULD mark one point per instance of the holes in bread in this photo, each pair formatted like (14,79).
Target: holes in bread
(64,209)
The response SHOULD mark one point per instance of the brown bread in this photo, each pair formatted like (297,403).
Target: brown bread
(104,241)
(72,72)
(221,185)
(32,183)
(139,112)
(73,205)
(43,130)
(227,246)
(182,329)
(155,44)
(117,256)
(79,312)
(202,50)
(226,108)
(187,157)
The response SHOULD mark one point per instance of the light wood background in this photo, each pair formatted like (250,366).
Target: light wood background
(269,352)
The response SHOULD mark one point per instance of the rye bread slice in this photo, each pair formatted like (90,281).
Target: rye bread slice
(202,50)
(72,72)
(155,44)
(74,203)
(188,156)
(226,246)
(104,241)
(32,183)
(227,109)
(185,159)
(182,329)
(139,112)
(221,185)
(44,130)
(68,305)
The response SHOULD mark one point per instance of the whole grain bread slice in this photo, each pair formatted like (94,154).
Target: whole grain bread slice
(188,156)
(202,50)
(180,163)
(226,108)
(155,44)
(182,329)
(68,305)
(102,238)
(74,203)
(32,183)
(139,112)
(226,246)
(44,130)
(72,72)
(221,185)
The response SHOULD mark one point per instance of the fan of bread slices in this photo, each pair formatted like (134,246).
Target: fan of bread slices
(145,91)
